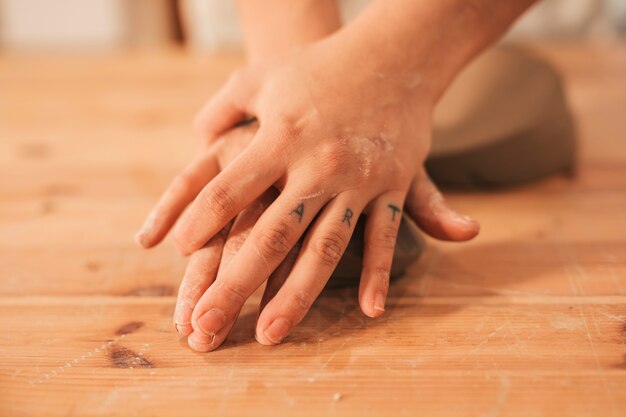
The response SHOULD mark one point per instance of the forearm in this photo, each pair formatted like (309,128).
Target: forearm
(426,42)
(271,27)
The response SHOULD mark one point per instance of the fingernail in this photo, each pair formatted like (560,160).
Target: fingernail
(466,219)
(277,331)
(141,238)
(183,313)
(182,328)
(199,345)
(379,301)
(212,321)
(142,235)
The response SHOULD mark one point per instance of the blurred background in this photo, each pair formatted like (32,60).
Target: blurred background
(209,25)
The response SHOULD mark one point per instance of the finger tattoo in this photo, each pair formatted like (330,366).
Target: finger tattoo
(298,211)
(347,216)
(394,210)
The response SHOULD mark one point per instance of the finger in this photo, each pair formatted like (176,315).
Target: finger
(226,109)
(183,189)
(201,342)
(243,225)
(381,232)
(245,179)
(427,207)
(276,232)
(238,234)
(279,276)
(199,275)
(322,249)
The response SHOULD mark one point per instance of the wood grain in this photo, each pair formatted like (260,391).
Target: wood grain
(527,320)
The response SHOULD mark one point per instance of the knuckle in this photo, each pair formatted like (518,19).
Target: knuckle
(290,125)
(233,292)
(384,237)
(234,243)
(236,76)
(381,277)
(274,241)
(199,123)
(182,184)
(300,303)
(218,202)
(330,248)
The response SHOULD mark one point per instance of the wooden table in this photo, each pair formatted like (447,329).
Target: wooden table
(527,320)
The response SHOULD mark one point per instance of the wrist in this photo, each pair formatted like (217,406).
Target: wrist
(273,27)
(420,43)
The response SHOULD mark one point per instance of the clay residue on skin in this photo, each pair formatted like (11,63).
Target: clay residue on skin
(312,195)
(122,357)
(189,292)
(147,227)
(414,81)
(369,150)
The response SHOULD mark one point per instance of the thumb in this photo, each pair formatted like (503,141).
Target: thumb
(427,207)
(227,108)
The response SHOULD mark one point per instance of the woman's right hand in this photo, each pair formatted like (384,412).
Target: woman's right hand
(424,205)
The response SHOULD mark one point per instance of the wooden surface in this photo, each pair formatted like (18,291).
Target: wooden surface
(527,320)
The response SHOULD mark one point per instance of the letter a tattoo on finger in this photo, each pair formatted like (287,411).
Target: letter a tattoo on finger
(299,211)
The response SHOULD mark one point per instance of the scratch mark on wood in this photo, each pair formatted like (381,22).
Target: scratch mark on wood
(152,291)
(72,362)
(503,393)
(574,270)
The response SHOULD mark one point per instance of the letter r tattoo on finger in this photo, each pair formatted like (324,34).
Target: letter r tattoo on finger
(347,216)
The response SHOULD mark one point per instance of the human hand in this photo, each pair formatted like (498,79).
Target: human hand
(333,156)
(208,262)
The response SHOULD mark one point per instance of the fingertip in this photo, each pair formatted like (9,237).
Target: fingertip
(261,332)
(182,318)
(261,339)
(369,308)
(467,227)
(142,240)
(183,329)
(448,225)
(368,311)
(200,343)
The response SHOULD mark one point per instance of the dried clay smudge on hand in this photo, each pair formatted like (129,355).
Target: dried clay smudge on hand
(312,195)
(147,228)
